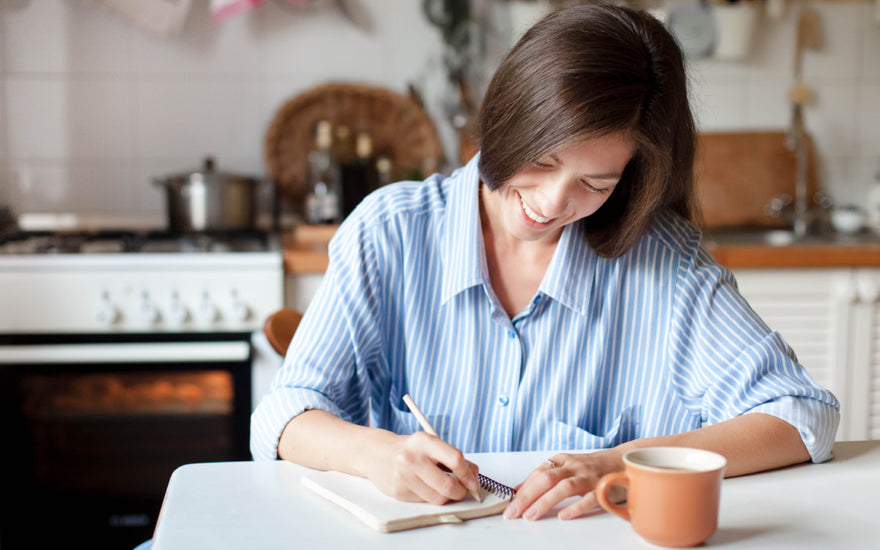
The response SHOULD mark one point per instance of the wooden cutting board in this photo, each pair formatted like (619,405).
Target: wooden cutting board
(737,174)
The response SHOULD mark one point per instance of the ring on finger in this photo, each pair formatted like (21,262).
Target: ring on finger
(551,463)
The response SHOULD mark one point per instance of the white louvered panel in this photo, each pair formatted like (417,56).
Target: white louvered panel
(874,374)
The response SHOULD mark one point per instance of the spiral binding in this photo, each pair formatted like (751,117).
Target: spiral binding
(496,487)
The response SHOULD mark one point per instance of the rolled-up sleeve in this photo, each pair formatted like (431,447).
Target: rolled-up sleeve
(324,367)
(728,362)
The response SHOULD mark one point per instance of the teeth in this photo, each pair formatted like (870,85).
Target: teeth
(531,213)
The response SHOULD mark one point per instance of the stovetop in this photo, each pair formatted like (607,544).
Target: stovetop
(134,242)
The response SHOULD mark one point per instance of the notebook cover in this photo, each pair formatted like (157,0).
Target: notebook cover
(385,514)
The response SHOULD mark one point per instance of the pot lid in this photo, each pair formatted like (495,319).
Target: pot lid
(207,174)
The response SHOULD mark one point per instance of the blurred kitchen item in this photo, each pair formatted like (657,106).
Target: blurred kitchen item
(848,219)
(873,203)
(400,130)
(208,200)
(359,175)
(353,10)
(525,13)
(737,174)
(808,37)
(159,17)
(324,201)
(735,22)
(794,141)
(693,24)
(775,9)
(7,221)
(356,12)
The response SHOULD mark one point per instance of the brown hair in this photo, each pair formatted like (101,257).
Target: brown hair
(582,72)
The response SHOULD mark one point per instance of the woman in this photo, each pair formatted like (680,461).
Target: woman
(551,294)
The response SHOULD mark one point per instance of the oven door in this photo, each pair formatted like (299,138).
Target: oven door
(94,425)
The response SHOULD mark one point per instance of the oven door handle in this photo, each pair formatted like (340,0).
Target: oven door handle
(164,352)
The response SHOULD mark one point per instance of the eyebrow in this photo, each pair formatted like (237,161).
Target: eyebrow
(603,176)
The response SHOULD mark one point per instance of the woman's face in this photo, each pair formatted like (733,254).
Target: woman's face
(562,187)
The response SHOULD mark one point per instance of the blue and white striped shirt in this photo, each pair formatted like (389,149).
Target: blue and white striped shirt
(655,342)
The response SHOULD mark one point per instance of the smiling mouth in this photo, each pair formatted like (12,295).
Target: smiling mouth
(532,215)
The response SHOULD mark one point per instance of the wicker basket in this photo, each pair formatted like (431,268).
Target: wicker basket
(399,127)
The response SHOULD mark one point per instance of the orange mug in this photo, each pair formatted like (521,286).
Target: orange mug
(672,494)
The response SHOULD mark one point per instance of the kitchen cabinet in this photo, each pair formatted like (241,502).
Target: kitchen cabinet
(831,317)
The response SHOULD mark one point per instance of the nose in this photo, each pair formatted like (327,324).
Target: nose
(555,196)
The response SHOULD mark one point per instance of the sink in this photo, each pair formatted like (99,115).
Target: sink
(786,237)
(768,237)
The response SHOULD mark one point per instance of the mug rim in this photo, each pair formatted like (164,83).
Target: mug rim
(711,461)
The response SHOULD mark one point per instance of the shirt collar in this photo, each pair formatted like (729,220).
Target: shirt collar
(569,277)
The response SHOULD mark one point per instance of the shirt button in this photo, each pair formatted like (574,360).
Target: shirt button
(511,334)
(503,400)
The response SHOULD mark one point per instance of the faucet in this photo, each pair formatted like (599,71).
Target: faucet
(809,37)
(780,206)
(796,142)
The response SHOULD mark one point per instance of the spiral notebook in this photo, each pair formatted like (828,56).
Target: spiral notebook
(385,514)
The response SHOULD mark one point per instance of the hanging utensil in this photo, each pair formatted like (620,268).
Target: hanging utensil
(809,37)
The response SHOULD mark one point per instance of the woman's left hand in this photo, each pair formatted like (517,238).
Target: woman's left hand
(563,476)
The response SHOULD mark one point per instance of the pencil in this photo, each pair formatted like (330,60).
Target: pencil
(423,421)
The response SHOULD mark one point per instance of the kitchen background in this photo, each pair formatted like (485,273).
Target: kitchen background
(92,107)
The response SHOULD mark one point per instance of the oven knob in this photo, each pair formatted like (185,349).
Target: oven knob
(206,312)
(147,312)
(239,311)
(177,313)
(106,314)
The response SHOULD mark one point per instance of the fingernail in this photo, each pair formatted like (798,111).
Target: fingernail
(473,484)
(531,514)
(511,512)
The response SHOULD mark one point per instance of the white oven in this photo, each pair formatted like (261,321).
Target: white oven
(122,357)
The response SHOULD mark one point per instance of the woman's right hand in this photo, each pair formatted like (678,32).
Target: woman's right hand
(411,469)
(406,467)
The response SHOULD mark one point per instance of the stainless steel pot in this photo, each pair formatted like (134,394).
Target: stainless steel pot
(209,200)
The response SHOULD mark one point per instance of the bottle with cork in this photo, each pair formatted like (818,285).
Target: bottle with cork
(358,176)
(324,201)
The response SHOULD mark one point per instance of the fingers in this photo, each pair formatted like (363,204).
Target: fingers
(419,475)
(553,481)
(581,507)
(537,486)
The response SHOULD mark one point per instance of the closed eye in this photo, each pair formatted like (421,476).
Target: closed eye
(594,189)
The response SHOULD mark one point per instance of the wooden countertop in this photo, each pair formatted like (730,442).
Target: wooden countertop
(812,255)
(305,252)
(305,249)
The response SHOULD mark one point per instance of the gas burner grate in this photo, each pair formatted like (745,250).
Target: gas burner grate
(128,242)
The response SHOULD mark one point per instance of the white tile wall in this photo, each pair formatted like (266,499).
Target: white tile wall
(92,107)
(844,76)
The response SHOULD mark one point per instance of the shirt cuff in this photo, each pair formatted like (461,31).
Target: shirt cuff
(816,422)
(276,410)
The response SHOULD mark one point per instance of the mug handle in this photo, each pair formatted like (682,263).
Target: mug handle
(602,488)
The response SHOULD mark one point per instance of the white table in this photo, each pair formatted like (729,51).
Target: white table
(261,505)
